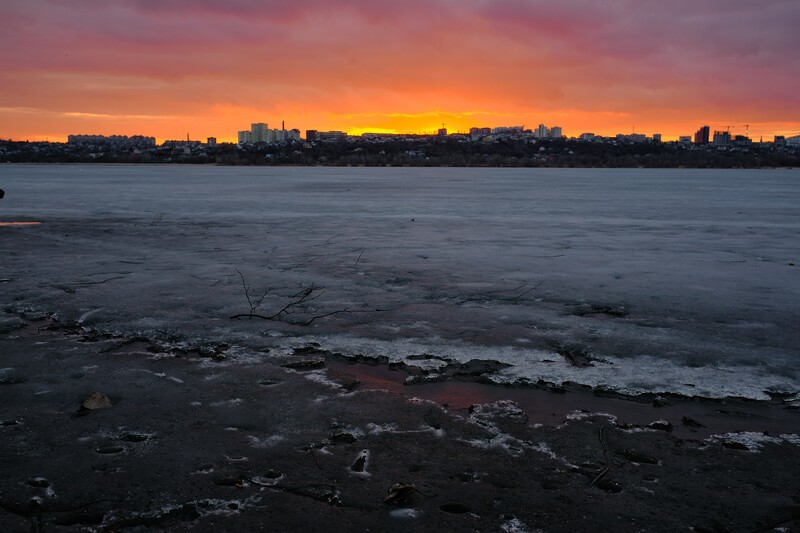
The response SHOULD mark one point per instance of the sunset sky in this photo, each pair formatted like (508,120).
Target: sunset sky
(211,67)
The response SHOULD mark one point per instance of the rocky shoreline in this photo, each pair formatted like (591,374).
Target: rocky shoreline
(205,438)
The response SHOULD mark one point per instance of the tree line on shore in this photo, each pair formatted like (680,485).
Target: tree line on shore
(433,152)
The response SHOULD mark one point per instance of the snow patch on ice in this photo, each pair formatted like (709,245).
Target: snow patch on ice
(267,442)
(630,375)
(512,524)
(754,441)
(485,416)
(405,513)
(321,377)
(87,314)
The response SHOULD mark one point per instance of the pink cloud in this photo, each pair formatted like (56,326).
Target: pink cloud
(682,57)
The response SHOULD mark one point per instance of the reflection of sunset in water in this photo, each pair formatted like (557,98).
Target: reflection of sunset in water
(19,223)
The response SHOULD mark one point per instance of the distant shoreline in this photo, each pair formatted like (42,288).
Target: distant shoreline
(554,153)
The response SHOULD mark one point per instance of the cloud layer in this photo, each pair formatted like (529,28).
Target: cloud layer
(164,67)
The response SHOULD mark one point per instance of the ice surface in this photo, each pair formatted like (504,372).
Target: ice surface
(755,441)
(665,280)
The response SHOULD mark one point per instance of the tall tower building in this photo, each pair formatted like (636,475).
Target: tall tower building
(259,132)
(702,135)
(542,132)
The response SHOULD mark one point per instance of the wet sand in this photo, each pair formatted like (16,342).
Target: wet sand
(197,440)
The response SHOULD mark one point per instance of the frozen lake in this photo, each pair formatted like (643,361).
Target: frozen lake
(636,280)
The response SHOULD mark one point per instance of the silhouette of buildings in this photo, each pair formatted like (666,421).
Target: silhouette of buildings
(702,135)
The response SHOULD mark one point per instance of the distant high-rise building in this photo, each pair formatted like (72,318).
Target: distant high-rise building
(442,132)
(259,133)
(331,135)
(245,137)
(311,135)
(542,132)
(507,130)
(479,133)
(556,132)
(722,138)
(587,136)
(212,141)
(779,140)
(792,141)
(702,135)
(657,137)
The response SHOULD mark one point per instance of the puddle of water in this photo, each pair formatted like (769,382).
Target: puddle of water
(19,223)
(551,408)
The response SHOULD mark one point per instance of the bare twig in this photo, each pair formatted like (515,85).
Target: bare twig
(316,461)
(359,256)
(299,298)
(607,456)
(309,322)
(253,304)
(297,301)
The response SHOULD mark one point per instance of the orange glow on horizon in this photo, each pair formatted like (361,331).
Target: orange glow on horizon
(225,128)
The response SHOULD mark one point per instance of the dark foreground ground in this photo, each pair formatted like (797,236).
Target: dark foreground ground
(194,441)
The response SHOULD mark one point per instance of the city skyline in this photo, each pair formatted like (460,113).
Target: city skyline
(168,67)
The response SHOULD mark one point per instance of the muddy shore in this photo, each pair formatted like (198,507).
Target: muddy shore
(196,440)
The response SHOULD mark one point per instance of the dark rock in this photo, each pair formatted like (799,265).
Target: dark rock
(400,494)
(343,438)
(96,401)
(360,463)
(39,482)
